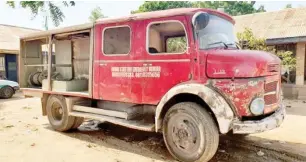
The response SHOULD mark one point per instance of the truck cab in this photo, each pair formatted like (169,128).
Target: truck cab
(178,72)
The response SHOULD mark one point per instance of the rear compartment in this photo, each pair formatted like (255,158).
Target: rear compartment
(69,69)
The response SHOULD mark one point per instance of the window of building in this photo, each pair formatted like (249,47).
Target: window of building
(2,64)
(117,40)
(167,37)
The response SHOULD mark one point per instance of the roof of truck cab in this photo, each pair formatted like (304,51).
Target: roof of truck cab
(162,13)
(137,16)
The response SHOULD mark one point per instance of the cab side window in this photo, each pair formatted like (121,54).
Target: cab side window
(166,38)
(117,40)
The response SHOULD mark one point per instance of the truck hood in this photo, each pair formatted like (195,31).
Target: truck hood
(241,64)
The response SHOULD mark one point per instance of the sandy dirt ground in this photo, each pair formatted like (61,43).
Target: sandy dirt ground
(25,135)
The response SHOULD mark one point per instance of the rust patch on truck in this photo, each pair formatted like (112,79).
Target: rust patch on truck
(240,93)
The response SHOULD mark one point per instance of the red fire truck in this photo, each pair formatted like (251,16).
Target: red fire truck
(177,72)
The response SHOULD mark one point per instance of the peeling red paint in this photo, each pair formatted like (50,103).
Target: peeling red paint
(241,92)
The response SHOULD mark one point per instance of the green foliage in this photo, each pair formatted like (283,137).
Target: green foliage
(232,7)
(96,14)
(247,40)
(176,44)
(288,6)
(288,60)
(162,5)
(53,10)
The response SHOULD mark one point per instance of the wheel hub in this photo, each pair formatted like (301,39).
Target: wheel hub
(7,92)
(57,112)
(184,135)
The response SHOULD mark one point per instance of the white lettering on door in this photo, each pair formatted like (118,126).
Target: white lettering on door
(137,72)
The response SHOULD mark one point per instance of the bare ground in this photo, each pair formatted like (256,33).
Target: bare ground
(25,135)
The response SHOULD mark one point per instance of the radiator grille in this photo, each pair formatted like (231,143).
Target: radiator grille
(271,87)
(270,99)
(271,93)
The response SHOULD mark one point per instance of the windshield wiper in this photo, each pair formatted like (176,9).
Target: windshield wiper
(225,45)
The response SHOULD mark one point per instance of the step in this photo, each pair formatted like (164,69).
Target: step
(111,113)
(134,124)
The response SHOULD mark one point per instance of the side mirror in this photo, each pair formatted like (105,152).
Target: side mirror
(200,20)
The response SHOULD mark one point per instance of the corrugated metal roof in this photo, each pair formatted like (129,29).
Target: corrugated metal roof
(278,24)
(9,36)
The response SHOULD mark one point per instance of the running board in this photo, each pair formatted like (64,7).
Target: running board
(134,124)
(92,110)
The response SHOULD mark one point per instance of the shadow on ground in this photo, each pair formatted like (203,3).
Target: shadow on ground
(231,148)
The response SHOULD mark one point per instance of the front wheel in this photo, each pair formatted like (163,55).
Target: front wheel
(190,133)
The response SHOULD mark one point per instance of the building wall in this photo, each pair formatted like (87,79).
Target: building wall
(300,63)
(298,89)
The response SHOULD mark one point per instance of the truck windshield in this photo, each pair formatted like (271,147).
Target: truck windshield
(218,33)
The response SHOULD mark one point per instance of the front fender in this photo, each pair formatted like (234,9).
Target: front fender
(221,109)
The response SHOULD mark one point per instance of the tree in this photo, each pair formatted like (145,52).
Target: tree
(161,5)
(288,6)
(233,8)
(48,8)
(247,40)
(96,14)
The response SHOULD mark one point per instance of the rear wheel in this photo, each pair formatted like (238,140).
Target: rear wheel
(57,113)
(6,92)
(190,133)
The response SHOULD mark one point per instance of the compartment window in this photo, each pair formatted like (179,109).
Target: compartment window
(166,37)
(117,41)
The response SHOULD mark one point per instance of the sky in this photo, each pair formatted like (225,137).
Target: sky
(81,11)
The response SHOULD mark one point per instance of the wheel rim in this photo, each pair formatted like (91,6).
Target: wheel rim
(57,112)
(183,136)
(7,92)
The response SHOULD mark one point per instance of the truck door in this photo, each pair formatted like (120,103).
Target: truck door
(115,63)
(167,57)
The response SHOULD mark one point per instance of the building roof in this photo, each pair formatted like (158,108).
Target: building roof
(277,25)
(9,37)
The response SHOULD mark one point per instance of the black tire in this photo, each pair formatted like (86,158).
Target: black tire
(6,92)
(57,113)
(78,121)
(189,123)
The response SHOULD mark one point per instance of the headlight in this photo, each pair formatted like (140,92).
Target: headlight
(257,106)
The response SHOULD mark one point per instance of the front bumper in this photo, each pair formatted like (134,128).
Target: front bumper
(268,123)
(16,88)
